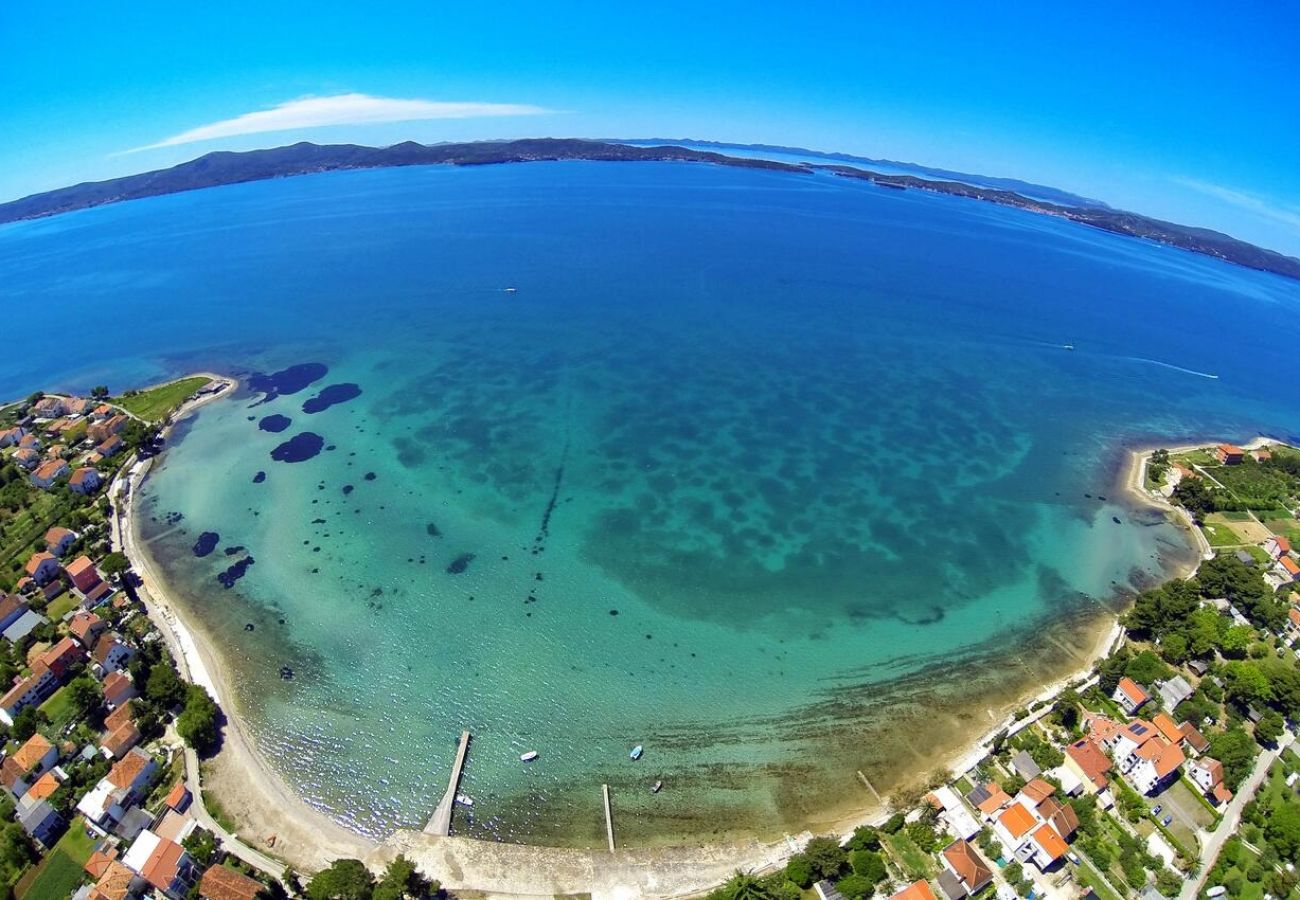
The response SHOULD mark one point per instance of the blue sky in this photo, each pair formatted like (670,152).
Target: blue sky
(1189,111)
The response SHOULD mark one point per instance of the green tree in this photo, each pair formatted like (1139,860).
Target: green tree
(864,838)
(1245,683)
(403,881)
(85,696)
(1173,647)
(1168,883)
(855,887)
(345,879)
(114,564)
(1283,830)
(1236,750)
(201,845)
(740,886)
(29,719)
(826,856)
(868,864)
(799,870)
(894,825)
(164,686)
(198,722)
(1146,668)
(1269,728)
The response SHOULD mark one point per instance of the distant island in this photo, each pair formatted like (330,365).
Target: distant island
(214,169)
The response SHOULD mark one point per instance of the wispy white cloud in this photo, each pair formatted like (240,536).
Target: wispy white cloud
(1275,212)
(341,109)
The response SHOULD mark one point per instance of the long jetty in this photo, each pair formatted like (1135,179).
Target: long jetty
(440,824)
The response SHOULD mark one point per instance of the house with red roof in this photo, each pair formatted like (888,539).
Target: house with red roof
(86,627)
(28,763)
(1277,546)
(1129,695)
(62,657)
(27,458)
(917,890)
(85,481)
(49,472)
(1287,568)
(42,568)
(110,447)
(9,437)
(1089,764)
(1207,774)
(111,654)
(968,868)
(119,690)
(164,864)
(12,609)
(224,883)
(84,575)
(1146,758)
(1229,454)
(121,739)
(49,407)
(58,539)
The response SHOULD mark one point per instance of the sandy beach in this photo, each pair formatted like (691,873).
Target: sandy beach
(272,818)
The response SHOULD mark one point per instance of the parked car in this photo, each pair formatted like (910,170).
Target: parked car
(1166,820)
(1155,810)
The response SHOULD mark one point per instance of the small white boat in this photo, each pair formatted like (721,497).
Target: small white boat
(658,786)
(512,290)
(464,799)
(529,756)
(636,752)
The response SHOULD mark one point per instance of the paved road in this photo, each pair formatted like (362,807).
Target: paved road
(1215,840)
(229,842)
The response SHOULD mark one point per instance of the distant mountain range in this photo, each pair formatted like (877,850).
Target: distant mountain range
(214,169)
(1028,188)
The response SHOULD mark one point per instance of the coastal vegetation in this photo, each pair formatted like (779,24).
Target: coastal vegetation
(155,403)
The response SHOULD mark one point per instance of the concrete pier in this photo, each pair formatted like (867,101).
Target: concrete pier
(440,824)
(609,817)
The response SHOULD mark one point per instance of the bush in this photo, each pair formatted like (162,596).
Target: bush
(826,857)
(894,825)
(864,838)
(799,871)
(345,879)
(198,722)
(855,887)
(868,864)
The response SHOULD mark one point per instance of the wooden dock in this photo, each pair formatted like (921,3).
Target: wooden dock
(440,824)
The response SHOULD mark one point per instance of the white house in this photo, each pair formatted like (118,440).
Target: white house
(1145,758)
(124,785)
(1275,547)
(162,863)
(85,480)
(1207,774)
(1129,695)
(956,816)
(49,472)
(31,691)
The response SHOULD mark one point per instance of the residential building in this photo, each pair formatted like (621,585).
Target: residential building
(119,690)
(26,622)
(111,654)
(58,539)
(117,742)
(224,883)
(179,798)
(27,458)
(1024,765)
(1145,758)
(11,610)
(1174,691)
(1129,695)
(86,627)
(116,883)
(989,799)
(42,567)
(31,691)
(110,447)
(1046,847)
(40,820)
(1168,728)
(106,805)
(9,437)
(85,480)
(163,864)
(49,472)
(917,890)
(1229,454)
(1207,774)
(954,813)
(1193,739)
(1087,761)
(1287,569)
(1277,546)
(28,763)
(49,407)
(62,657)
(83,573)
(970,870)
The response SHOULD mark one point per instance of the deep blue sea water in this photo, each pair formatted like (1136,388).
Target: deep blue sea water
(783,477)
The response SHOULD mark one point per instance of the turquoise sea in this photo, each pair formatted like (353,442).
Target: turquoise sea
(783,477)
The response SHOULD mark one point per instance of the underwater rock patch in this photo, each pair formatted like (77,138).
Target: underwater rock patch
(332,395)
(286,381)
(432,530)
(259,478)
(274,423)
(300,447)
(206,543)
(460,564)
(235,572)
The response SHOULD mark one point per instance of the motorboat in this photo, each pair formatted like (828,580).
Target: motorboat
(529,756)
(636,752)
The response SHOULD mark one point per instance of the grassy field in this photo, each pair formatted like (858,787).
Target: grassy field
(155,403)
(911,858)
(59,709)
(60,872)
(1088,876)
(61,605)
(1219,534)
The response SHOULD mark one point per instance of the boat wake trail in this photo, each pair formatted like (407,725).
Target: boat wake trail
(1165,365)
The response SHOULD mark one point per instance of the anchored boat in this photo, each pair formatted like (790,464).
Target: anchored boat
(636,752)
(529,756)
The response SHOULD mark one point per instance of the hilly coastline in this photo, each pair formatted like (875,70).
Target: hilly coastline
(225,167)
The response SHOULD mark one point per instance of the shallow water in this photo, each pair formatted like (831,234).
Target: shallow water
(782,477)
